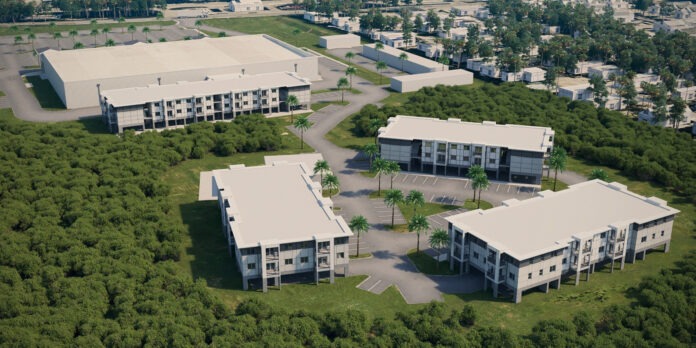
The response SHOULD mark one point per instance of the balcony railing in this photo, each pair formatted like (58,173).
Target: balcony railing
(490,273)
(585,264)
(621,238)
(491,259)
(324,250)
(272,271)
(324,265)
(272,256)
(587,249)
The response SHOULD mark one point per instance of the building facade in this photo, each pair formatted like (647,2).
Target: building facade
(535,243)
(302,239)
(219,98)
(246,5)
(450,147)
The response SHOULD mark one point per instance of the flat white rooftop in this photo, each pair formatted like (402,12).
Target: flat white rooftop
(434,75)
(162,57)
(527,138)
(411,57)
(308,159)
(548,222)
(215,84)
(277,204)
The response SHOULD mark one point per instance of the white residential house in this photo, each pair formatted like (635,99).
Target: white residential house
(638,79)
(604,71)
(689,118)
(614,102)
(576,92)
(429,47)
(316,17)
(531,75)
(468,10)
(246,5)
(271,238)
(582,67)
(551,29)
(688,94)
(474,64)
(510,76)
(535,242)
(455,34)
(490,69)
(395,39)
(346,24)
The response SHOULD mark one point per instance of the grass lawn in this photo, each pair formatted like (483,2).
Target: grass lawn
(320,91)
(2,94)
(471,205)
(427,264)
(343,135)
(320,105)
(45,94)
(547,184)
(282,27)
(7,30)
(361,256)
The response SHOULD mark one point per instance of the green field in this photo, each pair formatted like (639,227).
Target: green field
(2,94)
(547,184)
(36,29)
(45,94)
(282,27)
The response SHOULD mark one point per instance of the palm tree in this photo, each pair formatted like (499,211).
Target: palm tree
(481,183)
(159,17)
(78,45)
(350,71)
(93,22)
(94,33)
(146,30)
(403,57)
(378,47)
(52,25)
(57,35)
(31,37)
(415,199)
(358,224)
(379,167)
(106,31)
(73,33)
(18,39)
(303,124)
(381,66)
(131,29)
(474,172)
(439,240)
(350,55)
(393,168)
(110,43)
(122,20)
(222,34)
(371,151)
(321,167)
(598,174)
(342,84)
(444,61)
(374,125)
(292,103)
(392,198)
(330,182)
(162,39)
(419,223)
(557,161)
(198,24)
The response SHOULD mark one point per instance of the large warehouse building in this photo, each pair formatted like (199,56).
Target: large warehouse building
(75,74)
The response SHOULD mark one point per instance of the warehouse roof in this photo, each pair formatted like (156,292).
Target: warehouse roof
(216,84)
(548,222)
(260,218)
(434,75)
(162,57)
(517,137)
(411,57)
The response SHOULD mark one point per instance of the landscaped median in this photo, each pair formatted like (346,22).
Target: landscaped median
(427,264)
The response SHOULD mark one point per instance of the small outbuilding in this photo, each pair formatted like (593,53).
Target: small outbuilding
(411,83)
(531,75)
(339,41)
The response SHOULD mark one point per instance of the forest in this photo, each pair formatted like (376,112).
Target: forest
(88,250)
(639,150)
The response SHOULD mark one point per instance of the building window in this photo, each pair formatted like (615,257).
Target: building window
(178,111)
(465,158)
(478,150)
(477,161)
(208,98)
(156,104)
(270,266)
(529,276)
(340,255)
(643,239)
(453,146)
(199,109)
(198,100)
(251,266)
(552,268)
(246,103)
(157,113)
(189,110)
(427,155)
(476,255)
(491,161)
(541,272)
(453,157)
(511,276)
(304,259)
(601,249)
(169,113)
(565,260)
(288,261)
(662,234)
(493,150)
(653,237)
(208,107)
(466,147)
(603,235)
(441,147)
(428,144)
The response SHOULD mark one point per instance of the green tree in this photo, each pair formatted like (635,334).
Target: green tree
(375,124)
(598,173)
(162,39)
(122,20)
(550,80)
(371,151)
(381,66)
(73,33)
(78,45)
(159,17)
(106,31)
(439,240)
(94,33)
(557,161)
(342,84)
(392,198)
(444,61)
(350,71)
(292,102)
(349,56)
(379,167)
(481,183)
(419,224)
(676,112)
(222,34)
(330,182)
(57,36)
(146,30)
(198,24)
(393,169)
(415,199)
(296,33)
(379,46)
(403,57)
(18,40)
(599,89)
(110,43)
(31,37)
(474,172)
(358,224)
(302,124)
(321,167)
(132,29)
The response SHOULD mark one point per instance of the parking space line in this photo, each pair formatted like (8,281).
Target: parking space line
(404,179)
(508,190)
(518,190)
(467,184)
(373,286)
(498,188)
(414,179)
(453,199)
(426,180)
(431,198)
(435,182)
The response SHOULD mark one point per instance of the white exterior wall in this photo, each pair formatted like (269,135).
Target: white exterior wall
(490,70)
(339,41)
(391,57)
(245,6)
(403,84)
(533,76)
(511,76)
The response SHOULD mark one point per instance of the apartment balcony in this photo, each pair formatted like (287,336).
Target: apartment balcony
(324,250)
(490,273)
(323,265)
(586,249)
(621,238)
(272,272)
(585,264)
(273,256)
(491,258)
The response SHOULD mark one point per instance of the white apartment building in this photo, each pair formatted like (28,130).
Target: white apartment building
(582,67)
(315,17)
(346,24)
(246,5)
(272,239)
(491,70)
(449,147)
(534,243)
(219,98)
(531,75)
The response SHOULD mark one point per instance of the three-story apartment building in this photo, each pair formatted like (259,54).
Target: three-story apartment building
(272,238)
(218,98)
(534,243)
(449,147)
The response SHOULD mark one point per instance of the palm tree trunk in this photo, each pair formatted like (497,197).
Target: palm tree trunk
(301,139)
(555,175)
(379,184)
(357,253)
(479,201)
(418,242)
(393,209)
(391,183)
